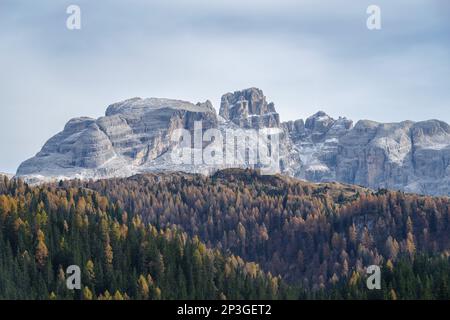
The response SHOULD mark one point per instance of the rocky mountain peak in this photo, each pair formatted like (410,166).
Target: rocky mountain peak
(79,123)
(320,121)
(8,175)
(321,126)
(249,109)
(134,136)
(139,106)
(431,127)
(126,140)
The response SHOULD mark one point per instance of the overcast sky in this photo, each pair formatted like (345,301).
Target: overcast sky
(306,55)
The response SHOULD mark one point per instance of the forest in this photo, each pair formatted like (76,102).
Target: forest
(233,235)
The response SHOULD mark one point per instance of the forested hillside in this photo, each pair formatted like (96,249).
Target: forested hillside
(232,235)
(44,230)
(303,231)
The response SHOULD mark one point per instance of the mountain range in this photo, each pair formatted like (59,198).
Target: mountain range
(134,137)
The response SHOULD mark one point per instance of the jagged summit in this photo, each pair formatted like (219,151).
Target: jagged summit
(249,108)
(8,175)
(127,140)
(134,136)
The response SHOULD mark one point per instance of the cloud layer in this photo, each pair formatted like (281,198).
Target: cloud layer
(305,55)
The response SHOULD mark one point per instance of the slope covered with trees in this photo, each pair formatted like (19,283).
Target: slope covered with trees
(305,240)
(44,230)
(307,232)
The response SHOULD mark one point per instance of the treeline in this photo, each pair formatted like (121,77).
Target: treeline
(422,278)
(43,230)
(310,234)
(318,237)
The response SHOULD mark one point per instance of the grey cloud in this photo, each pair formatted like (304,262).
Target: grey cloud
(306,55)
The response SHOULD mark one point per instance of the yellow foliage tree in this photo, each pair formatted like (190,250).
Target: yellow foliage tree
(41,249)
(87,294)
(143,287)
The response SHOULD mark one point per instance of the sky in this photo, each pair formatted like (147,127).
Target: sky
(306,55)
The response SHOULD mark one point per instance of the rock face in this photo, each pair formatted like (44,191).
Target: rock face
(316,142)
(9,176)
(134,136)
(249,109)
(128,139)
(407,156)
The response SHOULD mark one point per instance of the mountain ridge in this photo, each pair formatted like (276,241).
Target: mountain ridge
(134,137)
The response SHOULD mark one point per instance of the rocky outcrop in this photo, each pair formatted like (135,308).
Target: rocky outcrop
(134,136)
(407,156)
(316,142)
(249,109)
(8,175)
(131,135)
